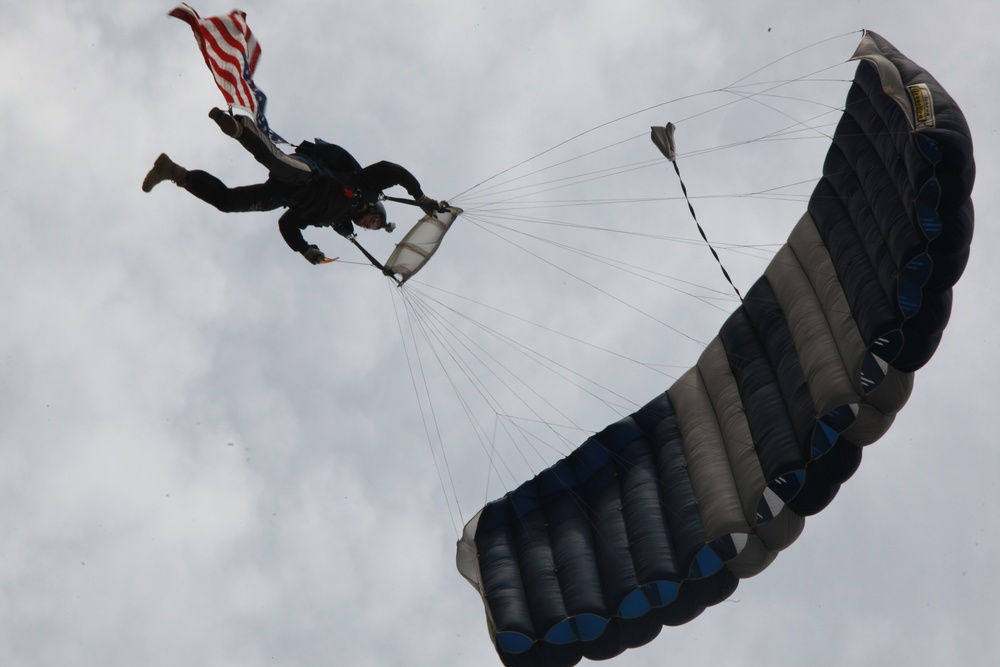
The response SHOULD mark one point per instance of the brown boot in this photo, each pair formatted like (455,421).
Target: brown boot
(164,169)
(226,122)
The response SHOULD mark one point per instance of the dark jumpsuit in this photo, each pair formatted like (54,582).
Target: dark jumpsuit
(314,197)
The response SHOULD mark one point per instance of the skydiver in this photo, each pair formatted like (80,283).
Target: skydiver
(314,196)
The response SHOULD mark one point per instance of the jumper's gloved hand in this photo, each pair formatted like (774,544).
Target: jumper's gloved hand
(314,255)
(430,206)
(345,228)
(389,227)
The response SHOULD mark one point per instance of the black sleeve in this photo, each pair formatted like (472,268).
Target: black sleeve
(291,226)
(382,175)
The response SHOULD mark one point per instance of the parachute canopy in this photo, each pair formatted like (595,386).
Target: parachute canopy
(658,516)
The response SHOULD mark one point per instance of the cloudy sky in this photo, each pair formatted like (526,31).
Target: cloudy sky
(213,453)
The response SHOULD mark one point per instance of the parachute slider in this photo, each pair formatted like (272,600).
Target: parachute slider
(421,242)
(663,137)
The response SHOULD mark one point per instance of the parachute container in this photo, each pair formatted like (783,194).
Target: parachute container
(661,514)
(420,243)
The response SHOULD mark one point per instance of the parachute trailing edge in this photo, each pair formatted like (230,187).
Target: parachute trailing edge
(420,243)
(659,516)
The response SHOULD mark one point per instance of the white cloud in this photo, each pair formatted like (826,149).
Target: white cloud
(211,452)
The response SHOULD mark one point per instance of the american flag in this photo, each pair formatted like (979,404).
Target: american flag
(231,52)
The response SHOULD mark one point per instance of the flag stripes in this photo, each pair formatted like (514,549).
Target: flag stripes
(231,53)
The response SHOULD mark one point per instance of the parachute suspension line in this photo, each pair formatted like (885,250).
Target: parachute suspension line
(424,318)
(491,460)
(551,365)
(584,133)
(480,223)
(798,126)
(793,132)
(650,366)
(538,188)
(763,251)
(503,420)
(730,89)
(630,269)
(793,53)
(663,137)
(423,415)
(773,85)
(479,353)
(591,285)
(418,315)
(533,435)
(516,193)
(431,332)
(572,159)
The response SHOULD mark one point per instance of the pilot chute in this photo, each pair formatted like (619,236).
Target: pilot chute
(659,515)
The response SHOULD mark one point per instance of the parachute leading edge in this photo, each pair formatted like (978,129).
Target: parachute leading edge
(420,243)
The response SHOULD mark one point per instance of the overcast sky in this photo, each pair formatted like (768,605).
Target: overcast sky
(214,453)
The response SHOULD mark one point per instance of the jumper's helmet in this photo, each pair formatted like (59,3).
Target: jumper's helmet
(370,216)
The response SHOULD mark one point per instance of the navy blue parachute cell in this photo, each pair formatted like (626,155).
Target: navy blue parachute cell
(658,516)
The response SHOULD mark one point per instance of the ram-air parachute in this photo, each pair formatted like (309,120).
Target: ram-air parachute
(658,516)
